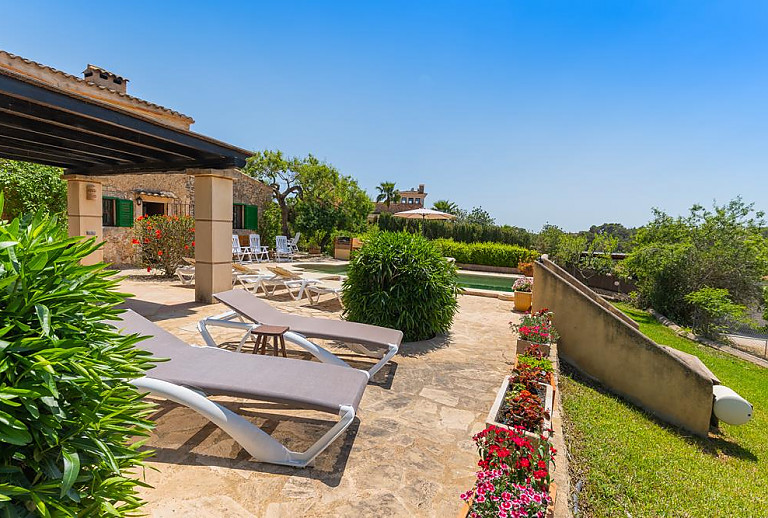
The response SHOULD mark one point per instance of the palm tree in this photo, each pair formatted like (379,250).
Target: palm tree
(387,193)
(446,206)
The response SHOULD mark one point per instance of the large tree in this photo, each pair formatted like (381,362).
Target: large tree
(476,216)
(311,194)
(387,193)
(282,174)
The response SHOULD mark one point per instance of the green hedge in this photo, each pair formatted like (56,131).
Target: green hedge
(488,254)
(462,232)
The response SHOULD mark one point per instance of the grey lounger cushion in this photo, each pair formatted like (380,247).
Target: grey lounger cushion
(257,310)
(219,372)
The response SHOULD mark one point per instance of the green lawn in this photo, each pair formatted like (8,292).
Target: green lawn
(634,465)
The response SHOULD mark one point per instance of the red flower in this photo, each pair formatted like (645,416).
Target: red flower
(193,243)
(149,268)
(159,252)
(135,241)
(540,474)
(186,247)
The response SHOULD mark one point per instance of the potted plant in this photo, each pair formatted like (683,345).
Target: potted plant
(314,246)
(526,269)
(535,331)
(523,288)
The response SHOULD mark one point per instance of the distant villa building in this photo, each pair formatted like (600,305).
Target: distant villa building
(412,199)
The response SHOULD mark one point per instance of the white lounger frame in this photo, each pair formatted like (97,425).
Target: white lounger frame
(253,439)
(233,320)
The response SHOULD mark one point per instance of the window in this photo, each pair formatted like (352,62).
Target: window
(418,201)
(403,200)
(116,212)
(245,216)
(153,208)
(410,201)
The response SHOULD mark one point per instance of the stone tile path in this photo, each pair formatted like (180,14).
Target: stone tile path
(410,453)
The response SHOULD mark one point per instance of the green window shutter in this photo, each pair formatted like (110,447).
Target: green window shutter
(123,213)
(251,217)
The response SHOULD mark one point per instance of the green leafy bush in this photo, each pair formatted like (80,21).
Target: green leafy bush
(165,241)
(29,187)
(489,254)
(720,248)
(401,281)
(713,311)
(67,411)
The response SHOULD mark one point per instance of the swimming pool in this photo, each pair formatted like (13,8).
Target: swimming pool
(466,280)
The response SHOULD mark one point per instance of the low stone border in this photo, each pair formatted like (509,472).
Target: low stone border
(706,341)
(560,477)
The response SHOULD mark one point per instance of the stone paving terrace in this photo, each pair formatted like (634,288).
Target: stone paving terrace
(410,452)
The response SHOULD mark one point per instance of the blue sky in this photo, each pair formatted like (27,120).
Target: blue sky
(572,113)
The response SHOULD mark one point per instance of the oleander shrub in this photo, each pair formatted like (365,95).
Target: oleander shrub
(164,241)
(488,254)
(67,411)
(400,280)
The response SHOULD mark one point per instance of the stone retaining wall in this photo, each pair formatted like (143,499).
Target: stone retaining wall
(604,346)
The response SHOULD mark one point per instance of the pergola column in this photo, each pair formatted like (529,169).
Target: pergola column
(213,232)
(84,209)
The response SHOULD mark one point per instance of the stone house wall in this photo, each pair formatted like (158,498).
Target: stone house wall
(118,249)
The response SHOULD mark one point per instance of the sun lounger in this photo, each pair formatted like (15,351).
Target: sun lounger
(193,373)
(372,341)
(326,288)
(292,281)
(186,274)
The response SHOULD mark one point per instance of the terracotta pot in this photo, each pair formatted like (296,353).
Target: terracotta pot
(464,510)
(523,345)
(523,300)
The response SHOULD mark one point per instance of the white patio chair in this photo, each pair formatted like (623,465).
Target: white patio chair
(239,252)
(294,243)
(258,252)
(283,250)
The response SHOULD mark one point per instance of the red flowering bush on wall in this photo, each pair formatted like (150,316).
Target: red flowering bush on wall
(514,475)
(164,241)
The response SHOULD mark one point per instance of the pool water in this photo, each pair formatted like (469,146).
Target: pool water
(466,280)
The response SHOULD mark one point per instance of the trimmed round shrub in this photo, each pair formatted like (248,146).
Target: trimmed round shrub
(67,411)
(401,281)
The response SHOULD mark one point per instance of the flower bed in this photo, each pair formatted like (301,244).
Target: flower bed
(515,449)
(514,477)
